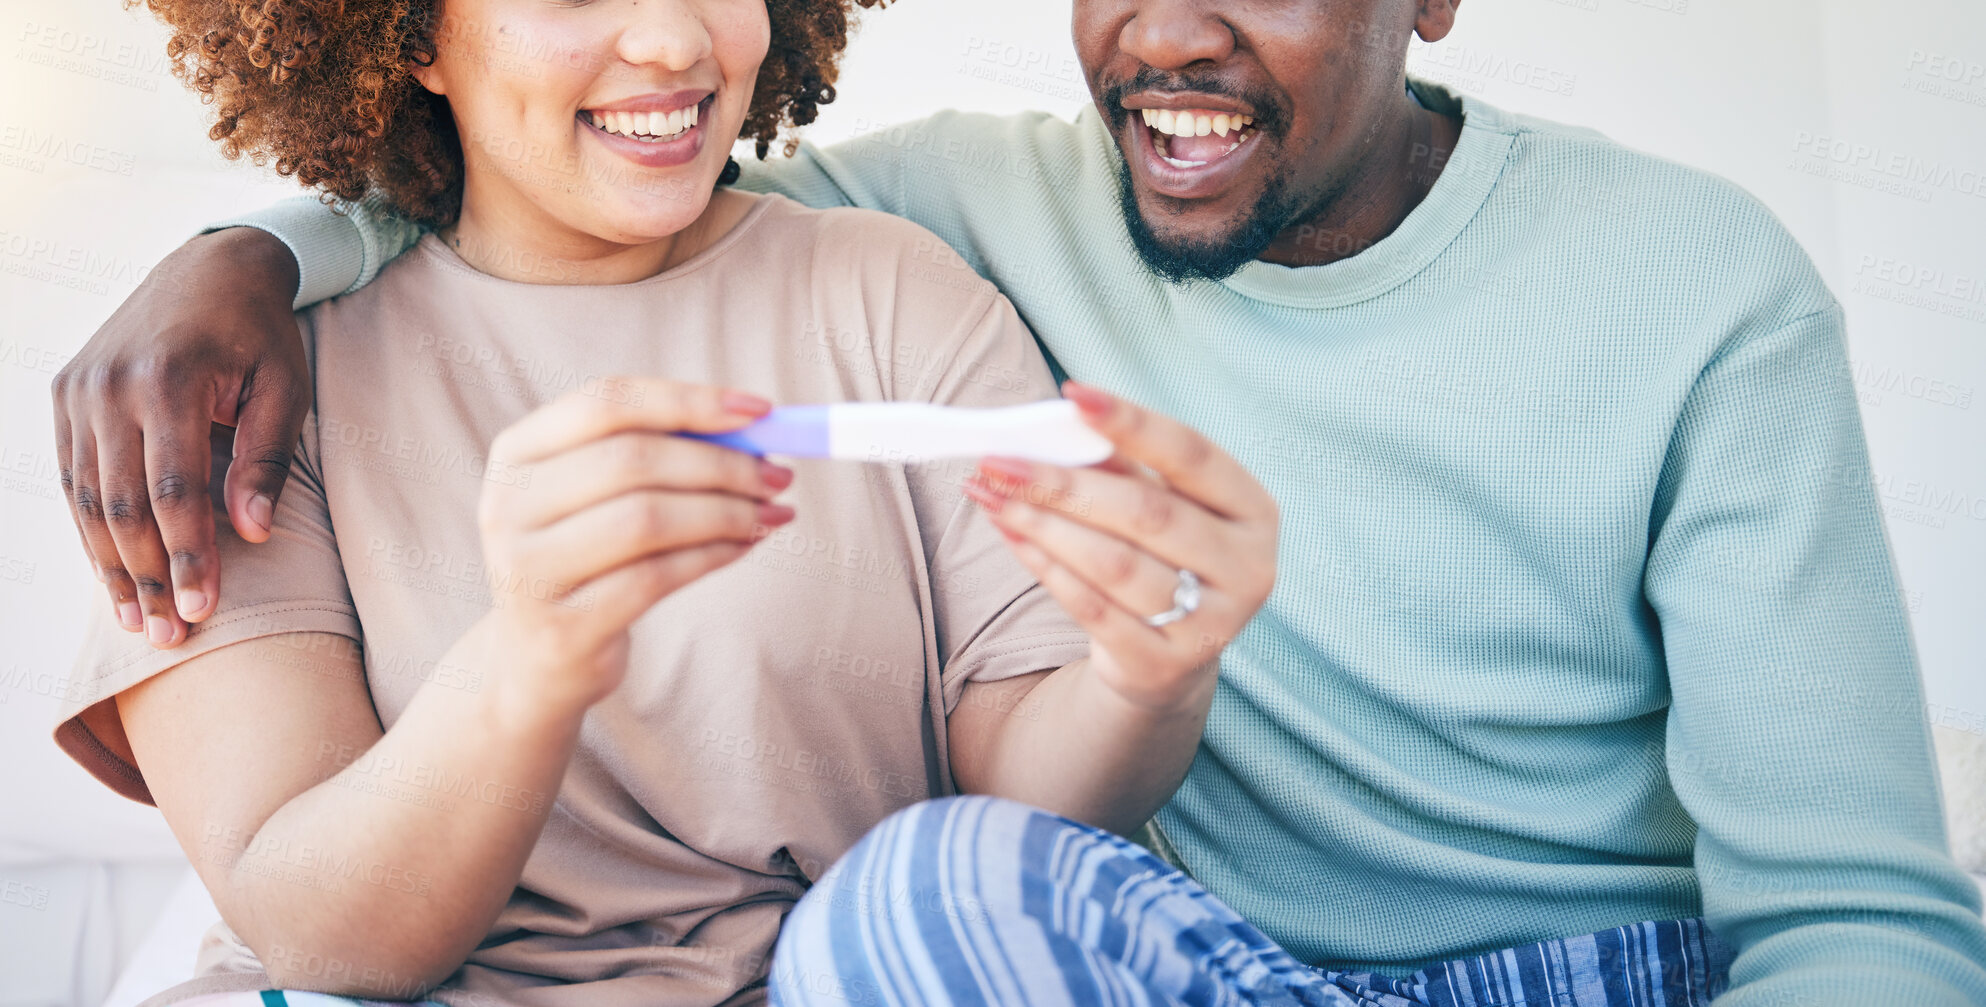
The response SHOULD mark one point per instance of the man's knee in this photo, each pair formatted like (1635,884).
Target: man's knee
(915,855)
(946,823)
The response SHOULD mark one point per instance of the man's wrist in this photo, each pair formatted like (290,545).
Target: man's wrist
(256,249)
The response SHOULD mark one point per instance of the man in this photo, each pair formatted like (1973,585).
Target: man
(1580,599)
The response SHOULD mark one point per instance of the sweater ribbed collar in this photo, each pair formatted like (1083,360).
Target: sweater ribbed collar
(1465,183)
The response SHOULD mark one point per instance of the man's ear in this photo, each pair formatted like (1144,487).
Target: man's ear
(1435,19)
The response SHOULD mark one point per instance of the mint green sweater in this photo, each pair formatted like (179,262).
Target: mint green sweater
(1584,613)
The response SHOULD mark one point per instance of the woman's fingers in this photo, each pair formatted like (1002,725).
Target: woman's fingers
(1187,460)
(1129,577)
(1120,640)
(1133,508)
(633,525)
(611,511)
(565,484)
(619,596)
(1110,542)
(649,404)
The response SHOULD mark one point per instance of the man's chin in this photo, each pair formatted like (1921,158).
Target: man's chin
(1180,253)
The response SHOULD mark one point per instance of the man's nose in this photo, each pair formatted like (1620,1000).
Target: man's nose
(1170,34)
(668,33)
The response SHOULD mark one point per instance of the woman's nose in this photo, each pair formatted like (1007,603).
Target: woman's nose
(668,33)
(1170,34)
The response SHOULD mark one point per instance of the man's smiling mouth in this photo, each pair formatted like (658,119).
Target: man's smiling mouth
(1194,137)
(1192,146)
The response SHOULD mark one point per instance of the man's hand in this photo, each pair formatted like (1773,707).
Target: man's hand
(208,337)
(1109,544)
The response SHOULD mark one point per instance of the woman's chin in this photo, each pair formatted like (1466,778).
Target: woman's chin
(639,224)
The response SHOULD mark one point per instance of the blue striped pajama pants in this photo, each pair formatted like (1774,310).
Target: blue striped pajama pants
(974,900)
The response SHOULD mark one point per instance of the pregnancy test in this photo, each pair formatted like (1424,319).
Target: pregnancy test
(1050,432)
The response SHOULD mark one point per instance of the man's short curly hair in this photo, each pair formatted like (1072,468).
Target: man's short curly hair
(323,89)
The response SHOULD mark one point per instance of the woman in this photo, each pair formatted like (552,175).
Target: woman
(527,699)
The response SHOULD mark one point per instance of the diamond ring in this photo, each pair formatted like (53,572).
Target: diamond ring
(1185,601)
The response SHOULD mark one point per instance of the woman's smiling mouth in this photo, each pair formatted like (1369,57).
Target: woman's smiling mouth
(649,127)
(656,131)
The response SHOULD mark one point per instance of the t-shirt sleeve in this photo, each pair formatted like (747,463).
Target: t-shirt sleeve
(954,340)
(293,583)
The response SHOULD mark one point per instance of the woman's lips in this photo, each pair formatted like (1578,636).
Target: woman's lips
(1189,178)
(679,149)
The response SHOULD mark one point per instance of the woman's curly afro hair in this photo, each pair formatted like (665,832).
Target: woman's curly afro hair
(323,88)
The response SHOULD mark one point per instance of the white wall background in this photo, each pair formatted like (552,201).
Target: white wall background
(1863,125)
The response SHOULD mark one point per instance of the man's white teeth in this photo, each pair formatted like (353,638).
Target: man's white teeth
(1194,122)
(645,125)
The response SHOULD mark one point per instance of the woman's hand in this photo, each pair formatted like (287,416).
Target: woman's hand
(610,514)
(1109,544)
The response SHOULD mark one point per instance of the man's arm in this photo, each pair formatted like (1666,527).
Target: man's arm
(1796,738)
(209,337)
(338,246)
(866,172)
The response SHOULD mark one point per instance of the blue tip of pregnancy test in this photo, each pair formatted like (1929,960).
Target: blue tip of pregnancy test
(798,431)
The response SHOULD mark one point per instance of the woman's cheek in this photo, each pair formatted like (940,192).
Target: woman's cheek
(740,35)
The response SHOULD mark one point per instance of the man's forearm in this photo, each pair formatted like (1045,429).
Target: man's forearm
(1065,742)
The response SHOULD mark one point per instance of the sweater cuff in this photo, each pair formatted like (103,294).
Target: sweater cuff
(327,245)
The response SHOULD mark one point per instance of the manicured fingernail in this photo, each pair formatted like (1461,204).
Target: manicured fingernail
(744,404)
(770,514)
(191,603)
(1009,468)
(158,629)
(261,511)
(1089,400)
(128,615)
(984,497)
(776,476)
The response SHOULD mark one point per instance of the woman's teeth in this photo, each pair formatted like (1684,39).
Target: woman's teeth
(1187,124)
(647,126)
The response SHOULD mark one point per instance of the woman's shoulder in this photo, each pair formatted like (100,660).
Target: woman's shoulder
(898,292)
(868,247)
(414,269)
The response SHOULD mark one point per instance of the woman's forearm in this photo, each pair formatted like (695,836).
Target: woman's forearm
(379,881)
(1068,743)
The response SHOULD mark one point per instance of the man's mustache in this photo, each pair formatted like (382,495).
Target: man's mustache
(1269,113)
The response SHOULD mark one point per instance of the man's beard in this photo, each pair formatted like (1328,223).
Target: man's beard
(1219,258)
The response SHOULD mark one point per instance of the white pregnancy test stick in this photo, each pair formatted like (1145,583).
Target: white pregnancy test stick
(1051,432)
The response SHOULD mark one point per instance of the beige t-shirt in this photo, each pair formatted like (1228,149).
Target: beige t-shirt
(774,710)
